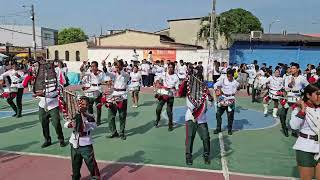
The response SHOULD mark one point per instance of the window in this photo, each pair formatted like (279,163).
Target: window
(47,36)
(56,54)
(67,55)
(77,55)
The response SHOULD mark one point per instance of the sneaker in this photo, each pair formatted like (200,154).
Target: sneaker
(230,132)
(156,124)
(15,114)
(217,131)
(114,135)
(46,144)
(207,160)
(189,161)
(170,128)
(19,116)
(123,137)
(63,144)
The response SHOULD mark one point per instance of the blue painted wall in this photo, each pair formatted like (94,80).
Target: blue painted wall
(272,54)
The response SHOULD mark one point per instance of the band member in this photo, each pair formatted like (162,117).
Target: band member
(92,88)
(258,85)
(305,119)
(197,99)
(182,70)
(16,88)
(293,85)
(134,87)
(226,89)
(252,72)
(275,86)
(49,111)
(120,86)
(81,141)
(166,93)
(159,71)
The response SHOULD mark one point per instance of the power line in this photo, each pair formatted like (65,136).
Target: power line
(21,32)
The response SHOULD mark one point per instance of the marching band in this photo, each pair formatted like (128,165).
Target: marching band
(285,87)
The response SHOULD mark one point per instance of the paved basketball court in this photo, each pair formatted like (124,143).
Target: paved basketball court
(257,150)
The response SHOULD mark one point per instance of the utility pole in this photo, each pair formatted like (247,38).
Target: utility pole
(34,33)
(211,38)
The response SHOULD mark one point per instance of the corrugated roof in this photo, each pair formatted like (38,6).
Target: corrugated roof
(185,19)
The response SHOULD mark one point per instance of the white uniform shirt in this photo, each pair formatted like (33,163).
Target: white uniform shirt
(15,81)
(252,73)
(202,117)
(159,70)
(84,140)
(182,71)
(120,81)
(215,72)
(300,82)
(135,79)
(145,69)
(303,144)
(97,79)
(51,99)
(227,87)
(275,83)
(170,81)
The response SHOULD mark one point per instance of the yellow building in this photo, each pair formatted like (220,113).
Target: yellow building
(69,52)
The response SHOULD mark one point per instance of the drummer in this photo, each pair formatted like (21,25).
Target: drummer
(16,88)
(166,94)
(134,86)
(92,88)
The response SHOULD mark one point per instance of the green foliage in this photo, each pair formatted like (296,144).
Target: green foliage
(71,35)
(230,22)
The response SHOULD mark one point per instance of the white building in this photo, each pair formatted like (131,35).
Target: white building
(21,36)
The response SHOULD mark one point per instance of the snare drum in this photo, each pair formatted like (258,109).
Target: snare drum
(13,89)
(166,92)
(293,97)
(226,102)
(92,94)
(273,94)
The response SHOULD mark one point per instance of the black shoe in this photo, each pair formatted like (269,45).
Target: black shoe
(63,144)
(46,144)
(156,124)
(189,161)
(15,114)
(207,160)
(98,123)
(123,137)
(114,135)
(217,131)
(285,132)
(294,134)
(230,132)
(19,116)
(170,128)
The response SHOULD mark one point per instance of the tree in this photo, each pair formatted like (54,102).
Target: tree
(71,35)
(230,22)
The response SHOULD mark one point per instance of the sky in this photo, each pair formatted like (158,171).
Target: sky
(296,16)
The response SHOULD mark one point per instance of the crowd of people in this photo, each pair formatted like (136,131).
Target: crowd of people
(109,84)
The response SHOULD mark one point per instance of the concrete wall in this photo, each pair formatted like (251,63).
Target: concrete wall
(82,47)
(186,31)
(272,54)
(131,39)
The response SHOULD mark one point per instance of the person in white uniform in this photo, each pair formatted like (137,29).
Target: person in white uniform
(275,85)
(81,141)
(293,85)
(92,88)
(252,72)
(120,87)
(198,100)
(182,70)
(166,93)
(226,89)
(16,88)
(134,86)
(306,119)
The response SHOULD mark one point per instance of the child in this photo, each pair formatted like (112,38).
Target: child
(81,141)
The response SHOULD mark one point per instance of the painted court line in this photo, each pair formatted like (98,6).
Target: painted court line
(29,111)
(224,162)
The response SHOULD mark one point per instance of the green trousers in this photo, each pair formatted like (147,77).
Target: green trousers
(112,112)
(203,132)
(44,118)
(283,116)
(16,108)
(161,103)
(93,101)
(84,153)
(230,116)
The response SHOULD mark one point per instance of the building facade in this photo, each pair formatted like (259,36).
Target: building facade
(69,52)
(21,36)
